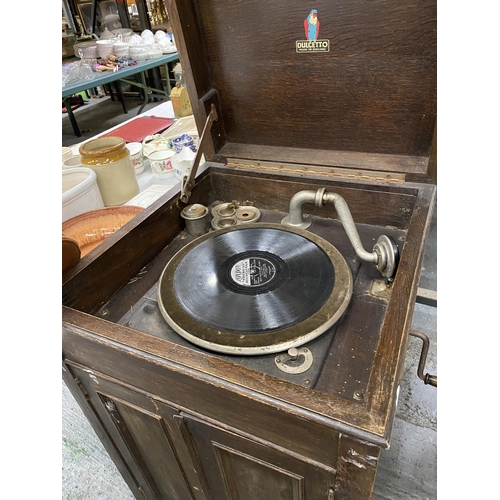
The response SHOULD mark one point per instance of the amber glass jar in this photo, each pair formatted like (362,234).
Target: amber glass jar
(110,160)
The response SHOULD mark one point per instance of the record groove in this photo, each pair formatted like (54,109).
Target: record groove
(254,289)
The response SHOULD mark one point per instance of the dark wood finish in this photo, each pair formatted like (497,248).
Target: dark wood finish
(83,398)
(343,375)
(215,390)
(238,468)
(145,430)
(302,156)
(374,92)
(433,158)
(358,121)
(190,384)
(354,458)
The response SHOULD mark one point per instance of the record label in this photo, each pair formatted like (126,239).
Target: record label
(253,272)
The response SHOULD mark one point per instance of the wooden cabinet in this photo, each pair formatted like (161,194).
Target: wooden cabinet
(357,121)
(172,455)
(184,423)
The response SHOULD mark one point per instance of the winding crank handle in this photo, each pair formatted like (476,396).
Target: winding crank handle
(428,379)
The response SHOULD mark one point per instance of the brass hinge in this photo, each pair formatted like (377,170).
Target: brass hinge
(317,170)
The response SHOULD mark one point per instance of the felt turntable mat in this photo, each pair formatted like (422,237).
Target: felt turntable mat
(139,128)
(254,281)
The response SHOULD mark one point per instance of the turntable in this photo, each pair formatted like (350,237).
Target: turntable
(254,289)
(263,358)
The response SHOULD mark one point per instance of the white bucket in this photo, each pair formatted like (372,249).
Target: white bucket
(80,192)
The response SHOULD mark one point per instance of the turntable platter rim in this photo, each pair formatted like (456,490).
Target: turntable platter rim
(270,342)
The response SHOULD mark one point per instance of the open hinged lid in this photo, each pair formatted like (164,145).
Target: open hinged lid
(361,96)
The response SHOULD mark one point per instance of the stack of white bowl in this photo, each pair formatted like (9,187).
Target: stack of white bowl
(105,47)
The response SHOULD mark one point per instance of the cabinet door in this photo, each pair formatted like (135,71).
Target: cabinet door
(146,436)
(239,468)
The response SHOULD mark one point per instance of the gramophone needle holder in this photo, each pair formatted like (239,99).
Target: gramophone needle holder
(385,254)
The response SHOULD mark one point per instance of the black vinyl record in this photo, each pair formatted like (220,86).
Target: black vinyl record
(252,288)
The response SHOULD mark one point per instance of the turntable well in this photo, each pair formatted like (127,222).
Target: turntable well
(134,366)
(254,289)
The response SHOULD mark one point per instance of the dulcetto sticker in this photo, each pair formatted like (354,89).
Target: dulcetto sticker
(311,31)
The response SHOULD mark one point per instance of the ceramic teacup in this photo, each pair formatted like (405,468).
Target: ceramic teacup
(154,143)
(161,166)
(135,149)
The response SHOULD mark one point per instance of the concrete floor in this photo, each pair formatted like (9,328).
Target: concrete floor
(407,471)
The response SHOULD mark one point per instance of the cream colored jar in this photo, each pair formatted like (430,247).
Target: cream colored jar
(109,158)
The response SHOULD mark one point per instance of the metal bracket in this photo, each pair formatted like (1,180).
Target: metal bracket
(188,183)
(295,360)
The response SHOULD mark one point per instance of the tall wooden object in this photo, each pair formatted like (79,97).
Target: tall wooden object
(181,423)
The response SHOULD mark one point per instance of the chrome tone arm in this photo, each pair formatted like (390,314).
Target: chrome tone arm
(385,252)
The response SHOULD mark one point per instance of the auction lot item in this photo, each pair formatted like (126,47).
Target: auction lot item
(262,359)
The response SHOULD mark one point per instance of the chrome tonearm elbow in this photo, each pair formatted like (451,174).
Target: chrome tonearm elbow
(385,254)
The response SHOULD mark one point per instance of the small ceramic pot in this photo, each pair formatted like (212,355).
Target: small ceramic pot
(107,35)
(161,164)
(154,143)
(135,149)
(183,141)
(66,153)
(105,48)
(80,192)
(182,163)
(138,52)
(73,162)
(110,160)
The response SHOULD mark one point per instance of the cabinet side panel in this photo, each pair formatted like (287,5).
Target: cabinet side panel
(357,468)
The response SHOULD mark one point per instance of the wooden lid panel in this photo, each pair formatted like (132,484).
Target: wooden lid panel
(373,92)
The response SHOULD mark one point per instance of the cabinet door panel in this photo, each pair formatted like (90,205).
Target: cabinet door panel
(248,477)
(238,468)
(141,431)
(152,442)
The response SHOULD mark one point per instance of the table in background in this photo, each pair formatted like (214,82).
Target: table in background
(121,75)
